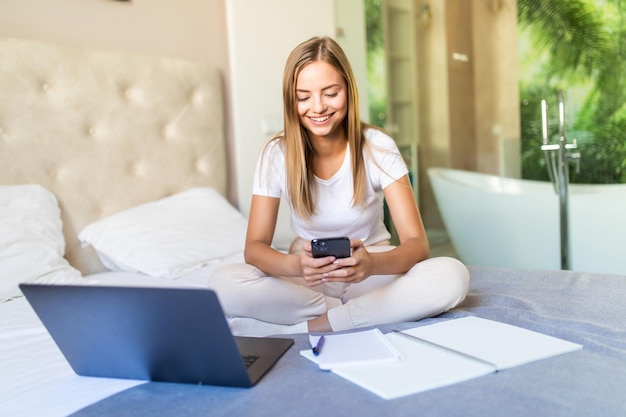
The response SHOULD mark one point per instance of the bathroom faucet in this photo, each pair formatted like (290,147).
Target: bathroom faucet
(558,156)
(562,147)
(568,156)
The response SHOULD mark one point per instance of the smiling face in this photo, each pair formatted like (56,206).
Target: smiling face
(321,100)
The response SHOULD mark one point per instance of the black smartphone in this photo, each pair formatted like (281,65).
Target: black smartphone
(339,247)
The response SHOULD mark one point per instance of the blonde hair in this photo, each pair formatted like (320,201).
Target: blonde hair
(298,150)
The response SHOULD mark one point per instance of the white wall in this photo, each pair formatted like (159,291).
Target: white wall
(189,29)
(350,23)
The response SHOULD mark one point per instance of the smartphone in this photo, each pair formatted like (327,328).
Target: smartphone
(339,247)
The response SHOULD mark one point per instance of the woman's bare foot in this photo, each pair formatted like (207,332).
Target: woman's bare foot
(320,324)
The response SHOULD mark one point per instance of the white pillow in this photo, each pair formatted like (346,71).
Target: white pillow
(31,239)
(169,237)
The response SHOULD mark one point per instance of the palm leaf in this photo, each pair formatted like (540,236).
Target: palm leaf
(570,30)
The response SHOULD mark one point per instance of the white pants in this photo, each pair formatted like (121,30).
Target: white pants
(429,288)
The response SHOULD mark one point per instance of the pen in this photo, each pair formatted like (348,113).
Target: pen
(318,347)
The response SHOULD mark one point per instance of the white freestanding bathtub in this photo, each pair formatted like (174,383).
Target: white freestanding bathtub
(497,221)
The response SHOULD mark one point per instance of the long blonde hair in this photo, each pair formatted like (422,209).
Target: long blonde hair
(298,150)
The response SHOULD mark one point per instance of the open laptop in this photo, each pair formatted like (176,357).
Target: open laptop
(154,334)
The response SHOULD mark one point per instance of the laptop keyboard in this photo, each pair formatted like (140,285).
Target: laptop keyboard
(248,360)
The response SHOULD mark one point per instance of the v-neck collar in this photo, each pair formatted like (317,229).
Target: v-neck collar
(344,165)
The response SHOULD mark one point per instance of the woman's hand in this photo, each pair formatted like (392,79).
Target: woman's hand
(330,269)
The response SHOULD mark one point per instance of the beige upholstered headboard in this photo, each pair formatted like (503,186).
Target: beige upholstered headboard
(105,131)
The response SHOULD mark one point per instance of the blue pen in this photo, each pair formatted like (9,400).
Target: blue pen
(318,347)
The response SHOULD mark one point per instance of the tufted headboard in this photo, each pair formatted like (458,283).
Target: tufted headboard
(105,131)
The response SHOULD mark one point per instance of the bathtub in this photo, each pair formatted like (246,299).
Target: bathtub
(504,222)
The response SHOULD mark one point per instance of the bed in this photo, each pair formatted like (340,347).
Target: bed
(114,172)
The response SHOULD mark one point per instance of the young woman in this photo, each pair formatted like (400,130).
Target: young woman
(335,172)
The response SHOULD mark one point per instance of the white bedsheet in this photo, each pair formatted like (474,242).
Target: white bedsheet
(35,378)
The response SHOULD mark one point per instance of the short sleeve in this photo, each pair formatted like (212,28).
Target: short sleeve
(386,164)
(269,175)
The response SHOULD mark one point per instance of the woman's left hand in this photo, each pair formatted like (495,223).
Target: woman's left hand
(353,269)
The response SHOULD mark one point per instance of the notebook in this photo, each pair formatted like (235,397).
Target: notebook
(452,351)
(155,334)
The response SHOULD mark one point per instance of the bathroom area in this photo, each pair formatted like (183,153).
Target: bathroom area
(515,138)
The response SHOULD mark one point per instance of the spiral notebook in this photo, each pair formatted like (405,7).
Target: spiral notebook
(450,352)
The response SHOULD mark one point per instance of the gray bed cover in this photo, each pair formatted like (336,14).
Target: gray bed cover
(589,309)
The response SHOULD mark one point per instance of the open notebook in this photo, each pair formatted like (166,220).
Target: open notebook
(449,352)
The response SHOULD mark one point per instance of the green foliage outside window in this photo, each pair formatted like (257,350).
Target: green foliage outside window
(377,93)
(579,47)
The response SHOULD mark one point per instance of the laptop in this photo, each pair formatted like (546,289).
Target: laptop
(154,334)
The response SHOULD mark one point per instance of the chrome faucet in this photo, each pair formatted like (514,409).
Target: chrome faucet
(558,156)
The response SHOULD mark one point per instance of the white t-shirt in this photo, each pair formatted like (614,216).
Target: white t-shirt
(335,214)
